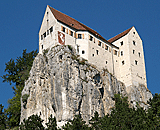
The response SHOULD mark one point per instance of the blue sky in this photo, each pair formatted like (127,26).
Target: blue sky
(20,22)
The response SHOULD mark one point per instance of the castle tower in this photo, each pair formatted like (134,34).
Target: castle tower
(131,58)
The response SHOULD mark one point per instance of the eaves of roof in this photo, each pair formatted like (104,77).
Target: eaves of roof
(111,40)
(72,23)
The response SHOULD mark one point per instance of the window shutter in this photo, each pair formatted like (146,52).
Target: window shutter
(109,49)
(61,28)
(67,30)
(76,35)
(82,36)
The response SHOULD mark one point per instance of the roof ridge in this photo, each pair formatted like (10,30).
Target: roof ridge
(118,36)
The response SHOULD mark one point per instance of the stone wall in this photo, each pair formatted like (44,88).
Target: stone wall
(63,84)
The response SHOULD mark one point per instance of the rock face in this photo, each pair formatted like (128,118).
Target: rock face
(63,84)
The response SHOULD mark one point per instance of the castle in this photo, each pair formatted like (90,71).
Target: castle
(122,55)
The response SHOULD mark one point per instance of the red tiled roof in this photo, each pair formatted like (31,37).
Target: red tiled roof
(75,24)
(119,35)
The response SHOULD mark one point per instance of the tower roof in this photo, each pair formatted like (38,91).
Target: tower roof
(67,20)
(111,40)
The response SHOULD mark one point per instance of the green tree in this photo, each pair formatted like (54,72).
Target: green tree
(95,121)
(153,112)
(17,71)
(2,118)
(76,124)
(52,123)
(33,122)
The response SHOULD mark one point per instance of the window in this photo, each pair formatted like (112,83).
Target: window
(136,62)
(106,62)
(115,52)
(83,52)
(134,43)
(71,33)
(47,32)
(133,32)
(121,53)
(106,47)
(99,43)
(42,46)
(41,37)
(139,54)
(90,38)
(133,51)
(51,29)
(44,34)
(97,52)
(123,62)
(121,43)
(64,29)
(102,45)
(93,55)
(79,36)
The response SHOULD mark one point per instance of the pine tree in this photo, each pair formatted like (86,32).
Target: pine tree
(33,122)
(17,71)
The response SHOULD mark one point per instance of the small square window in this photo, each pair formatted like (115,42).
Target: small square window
(93,55)
(83,52)
(97,52)
(133,51)
(79,36)
(106,47)
(121,53)
(139,54)
(134,43)
(121,43)
(136,62)
(90,38)
(64,29)
(123,62)
(99,44)
(44,34)
(115,52)
(51,29)
(71,33)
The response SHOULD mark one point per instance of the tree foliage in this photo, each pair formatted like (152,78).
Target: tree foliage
(2,118)
(17,71)
(76,124)
(33,122)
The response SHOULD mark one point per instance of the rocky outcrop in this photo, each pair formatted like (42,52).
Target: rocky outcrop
(63,84)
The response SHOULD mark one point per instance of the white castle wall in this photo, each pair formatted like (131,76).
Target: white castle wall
(121,64)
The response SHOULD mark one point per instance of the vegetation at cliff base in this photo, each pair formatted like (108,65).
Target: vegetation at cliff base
(122,116)
(17,71)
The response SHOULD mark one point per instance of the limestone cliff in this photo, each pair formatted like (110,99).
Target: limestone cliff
(63,84)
